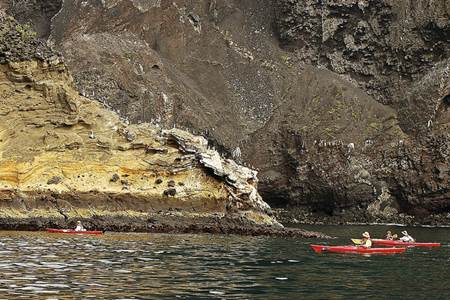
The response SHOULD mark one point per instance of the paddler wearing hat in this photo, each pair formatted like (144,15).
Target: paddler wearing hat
(366,241)
(390,236)
(406,237)
(79,227)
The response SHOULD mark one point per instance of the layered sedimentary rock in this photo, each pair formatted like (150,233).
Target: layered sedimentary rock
(65,157)
(342,105)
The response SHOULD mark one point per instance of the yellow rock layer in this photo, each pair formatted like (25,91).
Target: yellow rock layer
(55,142)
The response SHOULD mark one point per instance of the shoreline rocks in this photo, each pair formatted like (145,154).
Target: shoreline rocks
(160,223)
(354,216)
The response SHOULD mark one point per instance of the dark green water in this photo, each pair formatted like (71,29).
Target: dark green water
(158,266)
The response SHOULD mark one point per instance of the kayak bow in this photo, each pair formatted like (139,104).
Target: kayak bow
(71,231)
(355,249)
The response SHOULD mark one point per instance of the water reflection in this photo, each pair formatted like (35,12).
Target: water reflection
(158,266)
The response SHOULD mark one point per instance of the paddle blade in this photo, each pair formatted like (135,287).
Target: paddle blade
(357,241)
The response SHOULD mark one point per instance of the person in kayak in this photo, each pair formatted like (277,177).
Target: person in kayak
(407,238)
(366,242)
(79,227)
(390,236)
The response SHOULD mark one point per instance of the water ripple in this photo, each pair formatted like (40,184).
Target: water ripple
(160,266)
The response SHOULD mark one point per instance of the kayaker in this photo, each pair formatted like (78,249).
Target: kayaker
(390,236)
(366,241)
(79,227)
(407,238)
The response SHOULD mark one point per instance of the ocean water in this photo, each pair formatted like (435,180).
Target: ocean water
(37,265)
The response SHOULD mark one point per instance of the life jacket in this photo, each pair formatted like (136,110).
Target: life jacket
(367,243)
(80,228)
(407,238)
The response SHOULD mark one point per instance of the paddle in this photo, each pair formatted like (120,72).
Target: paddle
(357,241)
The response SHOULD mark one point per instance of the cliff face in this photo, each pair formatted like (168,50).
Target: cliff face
(397,52)
(65,157)
(342,105)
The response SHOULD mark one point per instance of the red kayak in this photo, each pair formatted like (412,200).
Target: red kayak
(404,244)
(355,249)
(71,231)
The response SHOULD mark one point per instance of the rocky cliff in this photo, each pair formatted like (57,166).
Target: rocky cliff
(398,53)
(64,157)
(341,105)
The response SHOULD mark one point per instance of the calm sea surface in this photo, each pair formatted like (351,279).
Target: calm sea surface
(37,265)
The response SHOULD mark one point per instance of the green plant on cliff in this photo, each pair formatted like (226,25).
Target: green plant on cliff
(330,132)
(25,31)
(376,125)
(287,60)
